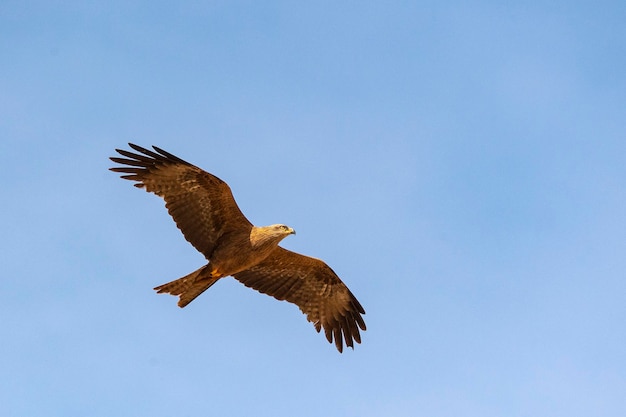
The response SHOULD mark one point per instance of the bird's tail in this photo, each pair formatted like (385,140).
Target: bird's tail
(190,286)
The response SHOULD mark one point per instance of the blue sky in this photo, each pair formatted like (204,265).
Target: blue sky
(459,164)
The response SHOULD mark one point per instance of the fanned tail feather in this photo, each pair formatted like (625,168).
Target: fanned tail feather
(190,286)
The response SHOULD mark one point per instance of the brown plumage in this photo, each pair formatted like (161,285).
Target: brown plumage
(205,211)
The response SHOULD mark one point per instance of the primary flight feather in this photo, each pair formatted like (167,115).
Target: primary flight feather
(205,211)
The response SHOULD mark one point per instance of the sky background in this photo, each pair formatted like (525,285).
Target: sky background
(461,165)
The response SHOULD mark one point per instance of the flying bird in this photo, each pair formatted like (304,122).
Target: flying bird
(203,207)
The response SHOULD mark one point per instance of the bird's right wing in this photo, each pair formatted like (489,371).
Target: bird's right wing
(201,204)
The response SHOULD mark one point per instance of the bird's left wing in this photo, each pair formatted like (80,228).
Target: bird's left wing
(315,288)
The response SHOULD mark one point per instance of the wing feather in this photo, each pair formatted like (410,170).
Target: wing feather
(201,204)
(315,288)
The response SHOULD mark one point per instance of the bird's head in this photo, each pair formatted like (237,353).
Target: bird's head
(270,235)
(282,230)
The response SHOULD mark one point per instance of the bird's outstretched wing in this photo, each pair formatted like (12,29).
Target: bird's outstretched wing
(201,204)
(315,288)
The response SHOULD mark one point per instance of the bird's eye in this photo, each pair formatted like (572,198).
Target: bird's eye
(284,227)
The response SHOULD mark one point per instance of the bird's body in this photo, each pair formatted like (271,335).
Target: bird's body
(205,211)
(239,252)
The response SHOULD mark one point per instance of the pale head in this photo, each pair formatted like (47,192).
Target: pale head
(270,235)
(281,230)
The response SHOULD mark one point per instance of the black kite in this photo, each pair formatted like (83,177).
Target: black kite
(205,211)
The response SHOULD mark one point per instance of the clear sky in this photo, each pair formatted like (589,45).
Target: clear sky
(461,165)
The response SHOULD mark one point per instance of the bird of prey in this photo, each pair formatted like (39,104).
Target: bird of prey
(205,211)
